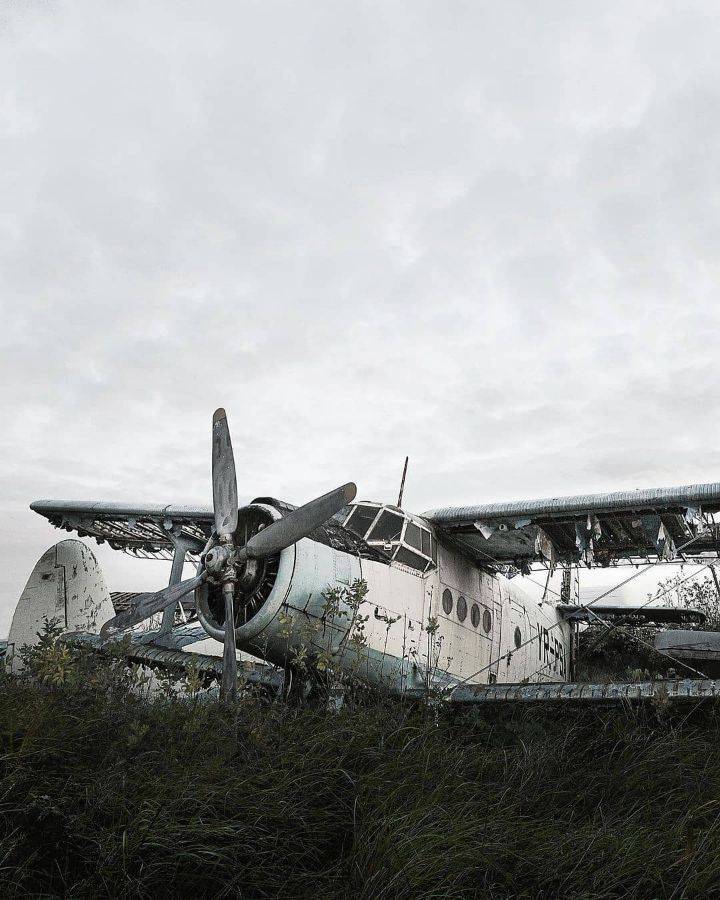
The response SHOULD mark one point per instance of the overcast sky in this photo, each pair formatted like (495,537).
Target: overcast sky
(482,234)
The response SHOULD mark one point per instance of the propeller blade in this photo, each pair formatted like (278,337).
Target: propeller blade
(224,481)
(150,605)
(228,684)
(298,523)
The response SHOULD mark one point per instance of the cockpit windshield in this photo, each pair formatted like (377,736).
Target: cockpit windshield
(361,518)
(395,533)
(387,528)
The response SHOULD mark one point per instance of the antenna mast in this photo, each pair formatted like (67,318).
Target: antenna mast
(402,483)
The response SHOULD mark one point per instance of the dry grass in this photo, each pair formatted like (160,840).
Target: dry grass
(102,793)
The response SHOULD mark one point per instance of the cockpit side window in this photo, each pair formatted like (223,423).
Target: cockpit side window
(387,528)
(361,519)
(408,558)
(413,536)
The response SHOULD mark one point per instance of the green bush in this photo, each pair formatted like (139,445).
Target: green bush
(622,654)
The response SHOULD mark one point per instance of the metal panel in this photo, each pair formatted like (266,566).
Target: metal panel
(705,495)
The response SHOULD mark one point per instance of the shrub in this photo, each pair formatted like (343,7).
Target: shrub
(105,792)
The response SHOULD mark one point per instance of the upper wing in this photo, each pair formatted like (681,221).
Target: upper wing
(145,529)
(138,528)
(598,529)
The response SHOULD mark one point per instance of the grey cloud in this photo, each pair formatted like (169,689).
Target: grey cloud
(481,234)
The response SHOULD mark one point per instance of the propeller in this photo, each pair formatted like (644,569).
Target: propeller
(149,606)
(222,564)
(297,524)
(222,558)
(224,482)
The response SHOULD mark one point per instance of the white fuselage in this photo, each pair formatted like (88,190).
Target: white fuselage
(487,651)
(451,622)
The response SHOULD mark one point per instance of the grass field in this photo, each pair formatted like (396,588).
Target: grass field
(104,793)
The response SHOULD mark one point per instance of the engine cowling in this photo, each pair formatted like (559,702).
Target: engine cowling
(279,601)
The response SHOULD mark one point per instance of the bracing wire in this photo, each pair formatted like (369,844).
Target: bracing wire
(585,606)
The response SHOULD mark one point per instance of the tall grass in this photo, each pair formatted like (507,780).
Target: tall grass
(105,793)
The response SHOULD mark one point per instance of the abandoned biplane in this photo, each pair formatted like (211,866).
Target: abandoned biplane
(444,609)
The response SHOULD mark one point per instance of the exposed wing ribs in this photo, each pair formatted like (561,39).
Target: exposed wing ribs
(142,530)
(593,529)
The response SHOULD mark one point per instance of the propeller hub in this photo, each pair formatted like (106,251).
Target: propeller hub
(254,578)
(218,560)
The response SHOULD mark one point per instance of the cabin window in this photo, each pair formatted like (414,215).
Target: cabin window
(408,558)
(447,601)
(518,638)
(361,519)
(387,528)
(426,542)
(475,615)
(413,536)
(462,609)
(487,621)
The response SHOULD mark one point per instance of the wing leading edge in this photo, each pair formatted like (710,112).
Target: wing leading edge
(141,529)
(596,529)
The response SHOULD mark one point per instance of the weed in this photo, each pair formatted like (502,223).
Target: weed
(104,792)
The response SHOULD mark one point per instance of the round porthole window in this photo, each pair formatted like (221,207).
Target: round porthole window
(447,601)
(518,638)
(475,615)
(487,621)
(462,609)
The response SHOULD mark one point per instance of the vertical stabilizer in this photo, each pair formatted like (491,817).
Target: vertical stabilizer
(66,585)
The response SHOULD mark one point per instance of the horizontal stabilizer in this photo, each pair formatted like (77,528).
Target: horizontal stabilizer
(698,645)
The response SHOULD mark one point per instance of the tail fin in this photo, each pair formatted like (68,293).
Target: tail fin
(66,586)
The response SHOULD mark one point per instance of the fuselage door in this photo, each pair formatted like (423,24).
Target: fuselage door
(496,628)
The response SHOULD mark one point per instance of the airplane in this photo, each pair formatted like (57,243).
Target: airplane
(364,589)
